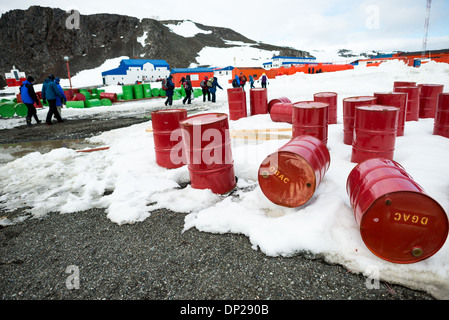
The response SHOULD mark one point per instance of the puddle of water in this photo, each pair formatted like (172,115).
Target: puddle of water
(10,152)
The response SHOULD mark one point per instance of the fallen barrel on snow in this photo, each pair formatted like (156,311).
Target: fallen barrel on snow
(398,222)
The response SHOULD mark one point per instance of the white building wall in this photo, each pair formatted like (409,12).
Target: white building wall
(148,73)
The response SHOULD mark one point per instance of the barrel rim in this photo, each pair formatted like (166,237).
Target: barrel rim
(310,104)
(219,116)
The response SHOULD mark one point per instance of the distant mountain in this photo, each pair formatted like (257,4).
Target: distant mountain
(36,41)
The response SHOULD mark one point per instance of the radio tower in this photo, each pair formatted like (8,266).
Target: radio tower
(426,27)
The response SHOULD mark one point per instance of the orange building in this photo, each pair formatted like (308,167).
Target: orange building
(196,75)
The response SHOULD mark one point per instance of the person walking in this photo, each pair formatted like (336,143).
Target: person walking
(264,80)
(205,89)
(188,89)
(251,82)
(58,99)
(236,82)
(243,80)
(50,92)
(29,97)
(169,92)
(213,89)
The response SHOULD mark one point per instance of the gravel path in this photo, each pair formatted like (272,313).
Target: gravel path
(85,256)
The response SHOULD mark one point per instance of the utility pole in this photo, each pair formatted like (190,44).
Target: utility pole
(426,28)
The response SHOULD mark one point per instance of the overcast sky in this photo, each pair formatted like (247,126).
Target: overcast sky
(360,25)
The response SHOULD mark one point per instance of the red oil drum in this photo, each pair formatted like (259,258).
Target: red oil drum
(290,176)
(428,99)
(398,221)
(110,96)
(237,103)
(282,112)
(412,113)
(79,97)
(375,129)
(441,124)
(166,135)
(403,84)
(331,99)
(398,100)
(68,94)
(310,118)
(258,101)
(207,144)
(349,105)
(273,101)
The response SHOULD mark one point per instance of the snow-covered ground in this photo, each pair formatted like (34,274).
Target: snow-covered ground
(128,184)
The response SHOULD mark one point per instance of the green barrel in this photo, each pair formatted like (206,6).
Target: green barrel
(21,109)
(138,91)
(94,90)
(197,93)
(4,100)
(94,96)
(162,93)
(75,104)
(106,102)
(176,95)
(155,92)
(146,90)
(100,91)
(7,110)
(119,96)
(128,93)
(93,103)
(86,93)
(45,104)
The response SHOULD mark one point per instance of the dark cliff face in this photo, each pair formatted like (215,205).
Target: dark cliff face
(36,41)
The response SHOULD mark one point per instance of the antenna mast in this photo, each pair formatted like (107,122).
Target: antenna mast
(426,27)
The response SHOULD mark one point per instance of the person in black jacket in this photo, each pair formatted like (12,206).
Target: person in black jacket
(188,88)
(29,97)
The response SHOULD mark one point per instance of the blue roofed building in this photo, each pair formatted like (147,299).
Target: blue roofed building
(131,70)
(286,62)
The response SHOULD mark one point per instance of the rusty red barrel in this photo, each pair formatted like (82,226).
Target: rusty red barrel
(398,221)
(398,100)
(110,96)
(310,118)
(441,123)
(428,99)
(277,100)
(167,135)
(331,99)
(282,112)
(403,84)
(79,97)
(207,144)
(258,99)
(237,103)
(412,113)
(375,129)
(349,105)
(290,176)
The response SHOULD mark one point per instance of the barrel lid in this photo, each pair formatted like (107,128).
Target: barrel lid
(287,179)
(310,104)
(388,93)
(378,108)
(170,111)
(325,94)
(203,119)
(360,99)
(404,227)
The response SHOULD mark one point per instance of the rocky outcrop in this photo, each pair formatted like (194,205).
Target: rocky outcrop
(36,41)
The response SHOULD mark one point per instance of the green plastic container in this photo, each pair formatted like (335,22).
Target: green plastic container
(106,102)
(197,93)
(21,109)
(176,95)
(128,92)
(119,96)
(138,91)
(94,96)
(75,104)
(147,90)
(162,93)
(93,103)
(155,92)
(7,110)
(86,93)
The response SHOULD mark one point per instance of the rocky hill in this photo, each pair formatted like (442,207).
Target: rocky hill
(36,41)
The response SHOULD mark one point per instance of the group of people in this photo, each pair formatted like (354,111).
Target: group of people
(208,86)
(240,81)
(52,93)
